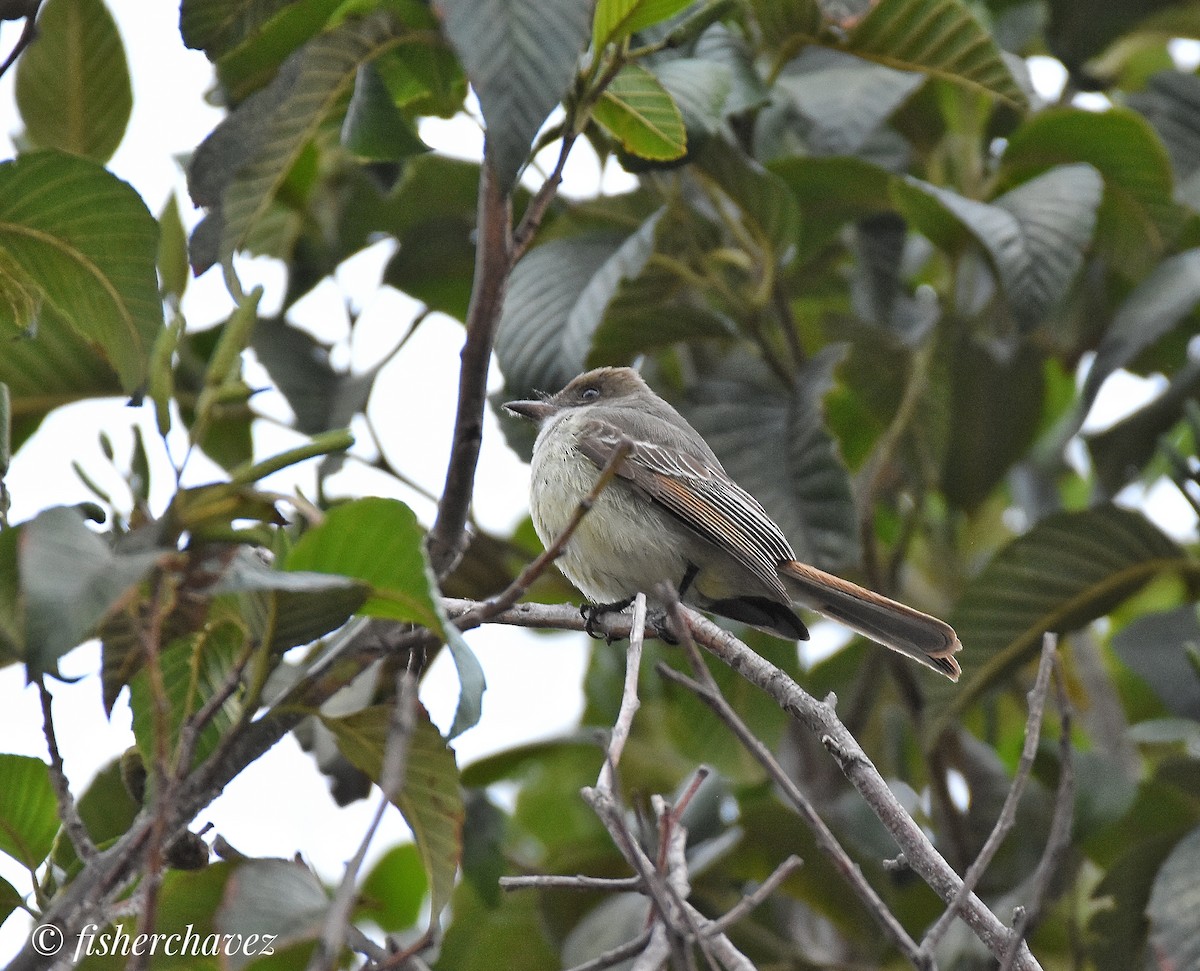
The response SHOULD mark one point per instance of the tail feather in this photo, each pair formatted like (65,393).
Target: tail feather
(922,637)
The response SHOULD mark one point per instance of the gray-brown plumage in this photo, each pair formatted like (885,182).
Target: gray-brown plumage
(673,514)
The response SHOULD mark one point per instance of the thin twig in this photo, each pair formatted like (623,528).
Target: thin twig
(706,689)
(821,719)
(556,881)
(1058,841)
(535,212)
(617,954)
(391,779)
(758,895)
(629,697)
(1008,812)
(28,33)
(515,590)
(68,811)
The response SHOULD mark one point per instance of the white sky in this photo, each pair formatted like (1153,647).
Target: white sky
(281,805)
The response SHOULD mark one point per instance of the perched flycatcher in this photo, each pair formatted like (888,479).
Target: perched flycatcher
(672,514)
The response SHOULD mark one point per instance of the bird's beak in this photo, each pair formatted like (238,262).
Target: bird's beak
(536,411)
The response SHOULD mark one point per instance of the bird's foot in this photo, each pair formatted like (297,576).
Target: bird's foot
(589,613)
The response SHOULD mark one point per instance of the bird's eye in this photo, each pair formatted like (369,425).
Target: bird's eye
(590,394)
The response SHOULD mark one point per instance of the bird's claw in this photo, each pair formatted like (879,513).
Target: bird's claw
(589,613)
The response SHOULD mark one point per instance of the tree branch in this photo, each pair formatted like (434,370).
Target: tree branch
(68,811)
(493,263)
(1008,812)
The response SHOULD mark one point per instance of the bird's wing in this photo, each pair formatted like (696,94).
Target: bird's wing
(701,496)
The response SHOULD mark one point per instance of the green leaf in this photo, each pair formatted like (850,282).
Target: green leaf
(639,113)
(392,893)
(10,899)
(937,37)
(278,897)
(1069,569)
(846,100)
(785,24)
(617,19)
(1035,234)
(700,90)
(776,446)
(28,810)
(380,542)
(520,55)
(320,397)
(215,26)
(286,609)
(430,798)
(1171,103)
(193,669)
(73,85)
(1138,217)
(240,168)
(556,299)
(1174,932)
(831,192)
(768,208)
(12,615)
(70,580)
(1154,646)
(59,218)
(1154,308)
(172,260)
(374,128)
(996,394)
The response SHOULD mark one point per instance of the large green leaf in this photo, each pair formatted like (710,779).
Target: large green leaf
(73,83)
(215,26)
(1138,217)
(774,443)
(193,668)
(1034,234)
(844,99)
(430,796)
(996,394)
(283,898)
(546,329)
(28,810)
(639,113)
(70,580)
(392,893)
(241,166)
(1171,103)
(375,129)
(1155,646)
(616,19)
(1155,307)
(87,242)
(1174,931)
(288,608)
(520,56)
(938,37)
(767,205)
(1069,569)
(832,192)
(380,542)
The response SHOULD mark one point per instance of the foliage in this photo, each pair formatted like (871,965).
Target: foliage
(884,278)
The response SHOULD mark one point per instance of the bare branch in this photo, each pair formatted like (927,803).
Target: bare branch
(757,896)
(617,954)
(68,812)
(545,881)
(1059,839)
(1008,812)
(629,697)
(493,264)
(706,689)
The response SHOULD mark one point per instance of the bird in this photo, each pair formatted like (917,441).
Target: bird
(673,514)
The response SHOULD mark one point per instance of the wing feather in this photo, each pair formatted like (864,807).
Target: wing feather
(701,496)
